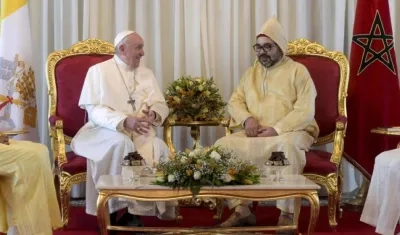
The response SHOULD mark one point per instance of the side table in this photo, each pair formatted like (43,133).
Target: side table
(211,203)
(194,130)
(362,193)
(387,131)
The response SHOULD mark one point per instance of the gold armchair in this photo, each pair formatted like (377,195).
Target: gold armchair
(66,71)
(330,73)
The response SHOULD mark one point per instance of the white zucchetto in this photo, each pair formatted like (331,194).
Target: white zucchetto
(121,36)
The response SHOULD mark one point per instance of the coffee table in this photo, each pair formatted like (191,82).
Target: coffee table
(294,186)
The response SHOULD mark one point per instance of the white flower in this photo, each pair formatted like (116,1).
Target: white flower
(184,159)
(226,178)
(171,178)
(198,151)
(197,175)
(160,179)
(204,110)
(191,154)
(201,88)
(215,155)
(177,99)
(177,88)
(190,83)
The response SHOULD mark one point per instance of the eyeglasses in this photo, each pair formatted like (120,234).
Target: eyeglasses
(266,47)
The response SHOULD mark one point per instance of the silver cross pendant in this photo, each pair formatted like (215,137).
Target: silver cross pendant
(132,103)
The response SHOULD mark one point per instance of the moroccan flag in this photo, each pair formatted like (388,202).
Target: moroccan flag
(374,95)
(17,79)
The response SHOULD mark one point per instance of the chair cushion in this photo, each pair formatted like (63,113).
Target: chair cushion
(325,72)
(318,162)
(70,73)
(76,164)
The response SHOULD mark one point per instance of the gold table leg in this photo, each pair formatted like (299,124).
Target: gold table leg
(314,207)
(195,134)
(103,215)
(297,206)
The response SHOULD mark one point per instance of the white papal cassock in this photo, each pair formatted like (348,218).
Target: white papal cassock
(103,140)
(382,207)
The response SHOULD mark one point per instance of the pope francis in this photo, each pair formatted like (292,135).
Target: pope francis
(28,200)
(382,208)
(123,102)
(272,109)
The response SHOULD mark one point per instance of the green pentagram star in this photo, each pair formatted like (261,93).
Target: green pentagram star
(370,55)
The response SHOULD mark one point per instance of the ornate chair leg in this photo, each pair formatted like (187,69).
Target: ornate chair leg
(332,202)
(65,191)
(58,188)
(339,197)
(178,213)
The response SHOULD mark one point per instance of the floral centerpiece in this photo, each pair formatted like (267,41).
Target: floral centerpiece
(213,166)
(194,99)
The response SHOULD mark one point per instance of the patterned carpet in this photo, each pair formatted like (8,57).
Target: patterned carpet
(82,224)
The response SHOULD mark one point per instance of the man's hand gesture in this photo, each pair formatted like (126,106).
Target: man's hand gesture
(151,115)
(267,132)
(140,125)
(251,126)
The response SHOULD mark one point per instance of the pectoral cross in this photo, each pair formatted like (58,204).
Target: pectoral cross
(132,103)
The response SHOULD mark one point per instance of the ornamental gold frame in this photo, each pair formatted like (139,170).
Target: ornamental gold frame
(334,181)
(103,214)
(57,137)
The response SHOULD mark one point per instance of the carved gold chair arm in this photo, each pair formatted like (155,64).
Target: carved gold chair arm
(62,158)
(57,135)
(338,142)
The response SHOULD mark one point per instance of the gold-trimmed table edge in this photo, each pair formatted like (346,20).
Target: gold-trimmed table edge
(386,131)
(170,195)
(13,133)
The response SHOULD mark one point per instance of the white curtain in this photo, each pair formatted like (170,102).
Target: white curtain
(190,37)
